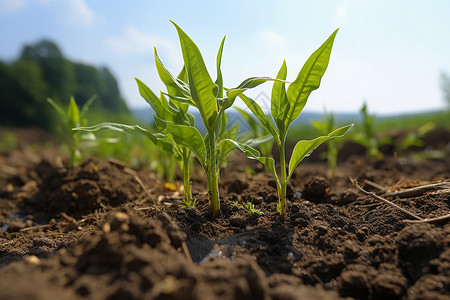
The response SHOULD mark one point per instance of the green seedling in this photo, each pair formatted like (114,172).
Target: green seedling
(414,138)
(248,207)
(286,106)
(368,138)
(211,98)
(176,113)
(333,145)
(74,117)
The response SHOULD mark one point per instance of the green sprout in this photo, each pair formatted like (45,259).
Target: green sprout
(248,207)
(368,138)
(211,99)
(333,146)
(177,133)
(74,117)
(286,106)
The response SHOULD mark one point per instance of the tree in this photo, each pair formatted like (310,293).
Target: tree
(22,96)
(57,71)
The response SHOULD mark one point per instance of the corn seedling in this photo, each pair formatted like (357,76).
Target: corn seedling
(74,117)
(333,146)
(211,98)
(286,106)
(368,138)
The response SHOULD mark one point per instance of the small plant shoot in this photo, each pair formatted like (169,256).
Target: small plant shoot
(74,117)
(333,146)
(211,98)
(248,207)
(286,106)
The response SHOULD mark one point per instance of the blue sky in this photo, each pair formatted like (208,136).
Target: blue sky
(388,53)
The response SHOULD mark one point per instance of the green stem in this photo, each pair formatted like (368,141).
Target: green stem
(186,177)
(212,174)
(283,179)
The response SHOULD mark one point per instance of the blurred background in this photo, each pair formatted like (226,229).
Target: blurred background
(392,55)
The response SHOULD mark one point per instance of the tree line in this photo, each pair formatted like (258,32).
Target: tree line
(42,71)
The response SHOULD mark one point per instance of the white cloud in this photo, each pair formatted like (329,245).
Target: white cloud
(78,12)
(74,12)
(341,15)
(12,6)
(134,42)
(273,42)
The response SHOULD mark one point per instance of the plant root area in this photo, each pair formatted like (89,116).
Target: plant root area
(104,231)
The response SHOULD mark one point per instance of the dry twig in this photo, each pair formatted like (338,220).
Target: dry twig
(409,192)
(355,184)
(419,190)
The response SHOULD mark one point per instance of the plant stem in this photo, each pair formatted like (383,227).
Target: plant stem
(283,180)
(186,176)
(212,174)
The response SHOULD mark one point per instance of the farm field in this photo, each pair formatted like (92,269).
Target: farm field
(102,230)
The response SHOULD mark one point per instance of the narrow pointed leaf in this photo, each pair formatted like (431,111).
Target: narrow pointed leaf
(279,106)
(160,107)
(247,84)
(202,89)
(158,139)
(174,86)
(219,80)
(308,79)
(259,113)
(58,109)
(252,153)
(248,119)
(186,136)
(73,114)
(87,105)
(304,148)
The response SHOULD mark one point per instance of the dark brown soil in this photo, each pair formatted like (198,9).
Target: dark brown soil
(104,231)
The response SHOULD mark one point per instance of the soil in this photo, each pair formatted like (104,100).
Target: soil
(104,231)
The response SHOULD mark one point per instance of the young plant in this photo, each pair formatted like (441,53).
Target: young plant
(367,138)
(333,145)
(74,117)
(248,207)
(211,99)
(286,106)
(176,113)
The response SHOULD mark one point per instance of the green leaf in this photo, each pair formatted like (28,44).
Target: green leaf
(160,140)
(73,114)
(249,120)
(160,107)
(186,136)
(252,153)
(219,80)
(280,104)
(258,112)
(87,105)
(304,148)
(58,109)
(202,89)
(175,87)
(308,79)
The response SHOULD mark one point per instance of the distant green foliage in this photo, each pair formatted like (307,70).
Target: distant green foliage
(42,71)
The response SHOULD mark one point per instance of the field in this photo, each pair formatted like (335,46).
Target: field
(103,230)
